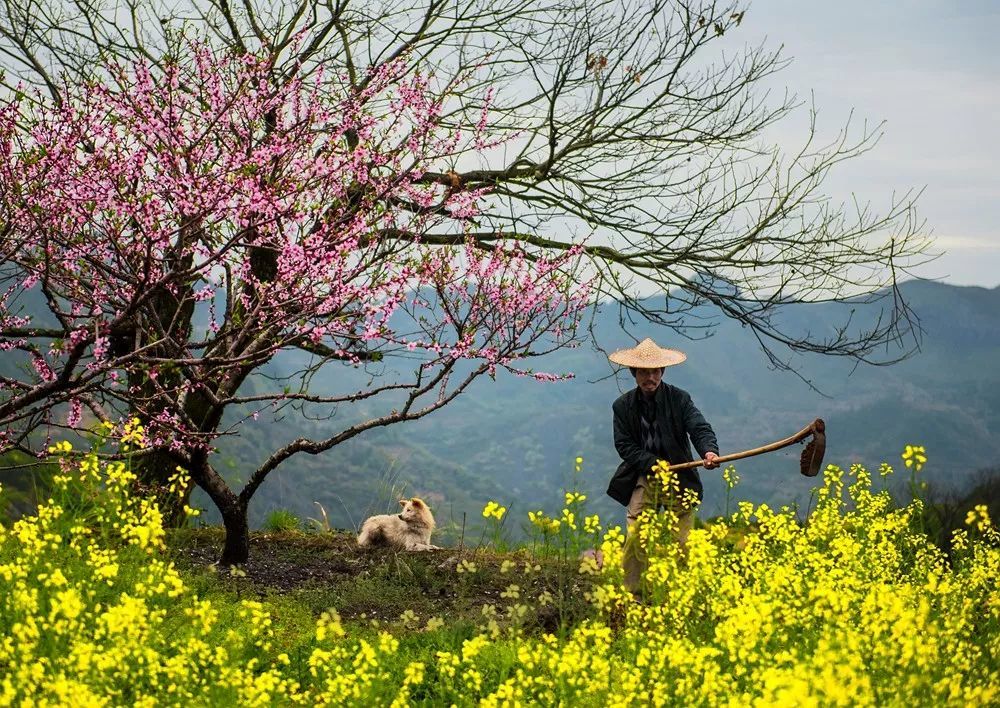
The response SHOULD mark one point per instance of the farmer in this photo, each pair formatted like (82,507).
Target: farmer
(653,422)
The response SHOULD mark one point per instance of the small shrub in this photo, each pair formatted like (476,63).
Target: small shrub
(282,520)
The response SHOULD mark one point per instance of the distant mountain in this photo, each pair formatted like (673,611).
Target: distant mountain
(514,440)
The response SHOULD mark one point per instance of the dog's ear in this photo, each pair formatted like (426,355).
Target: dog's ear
(417,502)
(402,502)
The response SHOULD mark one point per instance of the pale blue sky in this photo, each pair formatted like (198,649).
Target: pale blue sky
(931,70)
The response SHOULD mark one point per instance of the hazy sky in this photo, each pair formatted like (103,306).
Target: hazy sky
(931,70)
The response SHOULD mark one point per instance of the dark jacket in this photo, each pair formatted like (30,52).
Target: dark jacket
(677,419)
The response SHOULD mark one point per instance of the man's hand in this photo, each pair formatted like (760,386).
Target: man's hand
(710,463)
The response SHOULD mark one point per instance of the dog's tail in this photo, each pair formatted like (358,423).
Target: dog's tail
(371,534)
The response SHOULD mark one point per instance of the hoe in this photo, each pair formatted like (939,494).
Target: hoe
(812,454)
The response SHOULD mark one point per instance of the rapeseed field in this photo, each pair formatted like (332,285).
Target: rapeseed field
(851,606)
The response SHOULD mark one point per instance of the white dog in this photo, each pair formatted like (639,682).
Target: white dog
(410,529)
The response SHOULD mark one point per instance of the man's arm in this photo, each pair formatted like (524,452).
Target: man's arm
(698,429)
(634,455)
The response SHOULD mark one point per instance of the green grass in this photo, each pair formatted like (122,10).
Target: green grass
(301,575)
(282,520)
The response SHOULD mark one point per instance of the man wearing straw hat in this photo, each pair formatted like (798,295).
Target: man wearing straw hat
(653,422)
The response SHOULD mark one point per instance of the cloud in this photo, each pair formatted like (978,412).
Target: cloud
(931,71)
(969,243)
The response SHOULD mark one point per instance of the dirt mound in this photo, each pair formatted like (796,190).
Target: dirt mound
(330,570)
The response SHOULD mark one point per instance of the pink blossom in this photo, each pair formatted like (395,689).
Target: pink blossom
(42,368)
(204,182)
(75,413)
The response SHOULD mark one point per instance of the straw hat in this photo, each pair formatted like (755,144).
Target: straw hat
(647,355)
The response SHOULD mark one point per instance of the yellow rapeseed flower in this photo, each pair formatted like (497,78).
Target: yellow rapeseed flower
(914,456)
(979,516)
(494,510)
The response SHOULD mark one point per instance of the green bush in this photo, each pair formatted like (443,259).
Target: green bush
(282,520)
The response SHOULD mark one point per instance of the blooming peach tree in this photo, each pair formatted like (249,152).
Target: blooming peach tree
(180,224)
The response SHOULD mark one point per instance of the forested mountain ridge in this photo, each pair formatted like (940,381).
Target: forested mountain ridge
(515,439)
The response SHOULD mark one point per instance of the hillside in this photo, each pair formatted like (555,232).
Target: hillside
(515,440)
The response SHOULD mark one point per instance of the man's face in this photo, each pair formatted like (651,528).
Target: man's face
(648,379)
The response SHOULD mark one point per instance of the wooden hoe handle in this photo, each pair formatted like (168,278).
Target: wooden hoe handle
(812,456)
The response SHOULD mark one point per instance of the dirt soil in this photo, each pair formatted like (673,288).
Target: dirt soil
(284,562)
(330,570)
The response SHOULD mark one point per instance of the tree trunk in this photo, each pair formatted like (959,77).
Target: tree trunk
(236,550)
(233,509)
